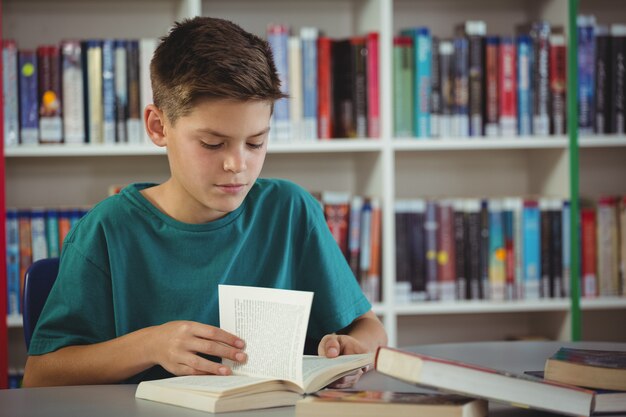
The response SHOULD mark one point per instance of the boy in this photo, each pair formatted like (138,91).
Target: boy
(136,294)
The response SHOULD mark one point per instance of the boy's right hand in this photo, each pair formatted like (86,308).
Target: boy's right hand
(176,346)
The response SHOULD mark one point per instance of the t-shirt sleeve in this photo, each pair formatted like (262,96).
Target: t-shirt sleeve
(338,298)
(79,309)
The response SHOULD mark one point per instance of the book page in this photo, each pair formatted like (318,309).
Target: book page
(273,325)
(319,371)
(215,384)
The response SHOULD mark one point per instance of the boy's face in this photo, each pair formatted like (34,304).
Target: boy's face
(215,153)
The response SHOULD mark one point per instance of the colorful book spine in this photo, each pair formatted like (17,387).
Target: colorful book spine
(472,210)
(403,86)
(50,107)
(460,127)
(358,46)
(135,119)
(602,101)
(567,242)
(325,111)
(546,256)
(309,36)
(64,225)
(586,73)
(29,101)
(121,90)
(26,248)
(497,251)
(423,68)
(373,280)
(431,225)
(556,248)
(589,252)
(417,250)
(373,86)
(540,34)
(52,233)
(524,82)
(531,229)
(402,287)
(73,94)
(476,31)
(294,45)
(337,212)
(460,249)
(618,78)
(343,89)
(354,240)
(93,90)
(108,91)
(10,93)
(277,36)
(366,233)
(435,89)
(508,233)
(38,234)
(558,84)
(507,81)
(446,94)
(484,248)
(446,266)
(13,262)
(492,46)
(607,247)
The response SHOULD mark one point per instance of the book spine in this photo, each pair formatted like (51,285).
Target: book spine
(50,117)
(446,84)
(10,93)
(618,85)
(373,276)
(277,36)
(589,255)
(558,84)
(121,91)
(402,293)
(423,67)
(566,239)
(508,233)
(373,86)
(492,45)
(417,250)
(64,226)
(309,37)
(403,86)
(607,247)
(147,46)
(325,109)
(622,233)
(294,44)
(507,87)
(461,88)
(541,81)
(445,255)
(531,229)
(518,236)
(343,89)
(586,73)
(38,235)
(135,118)
(13,262)
(94,91)
(366,232)
(431,226)
(484,248)
(476,80)
(73,94)
(545,231)
(354,243)
(337,213)
(524,93)
(359,91)
(108,91)
(603,81)
(556,248)
(497,251)
(460,247)
(435,89)
(29,103)
(473,245)
(26,248)
(52,233)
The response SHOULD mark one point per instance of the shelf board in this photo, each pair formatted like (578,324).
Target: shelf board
(602,141)
(603,303)
(332,145)
(14,320)
(479,307)
(480,143)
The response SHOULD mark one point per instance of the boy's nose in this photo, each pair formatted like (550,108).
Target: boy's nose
(235,162)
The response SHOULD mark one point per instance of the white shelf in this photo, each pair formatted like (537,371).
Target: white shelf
(481,307)
(602,141)
(603,303)
(14,320)
(332,145)
(480,143)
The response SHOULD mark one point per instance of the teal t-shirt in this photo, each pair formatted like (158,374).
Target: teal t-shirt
(126,266)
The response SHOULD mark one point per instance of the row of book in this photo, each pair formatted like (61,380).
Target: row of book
(601,76)
(355,223)
(15,378)
(479,85)
(33,234)
(332,84)
(81,91)
(506,249)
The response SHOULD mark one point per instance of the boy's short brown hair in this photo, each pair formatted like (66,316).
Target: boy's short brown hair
(209,58)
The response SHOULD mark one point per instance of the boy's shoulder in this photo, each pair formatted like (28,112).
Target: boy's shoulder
(282,191)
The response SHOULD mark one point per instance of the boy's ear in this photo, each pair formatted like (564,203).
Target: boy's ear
(154,121)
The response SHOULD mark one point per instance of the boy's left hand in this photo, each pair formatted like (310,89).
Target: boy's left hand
(333,345)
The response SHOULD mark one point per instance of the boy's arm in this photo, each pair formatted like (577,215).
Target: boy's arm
(173,345)
(364,334)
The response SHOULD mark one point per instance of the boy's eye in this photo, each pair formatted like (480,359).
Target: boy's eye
(256,145)
(211,145)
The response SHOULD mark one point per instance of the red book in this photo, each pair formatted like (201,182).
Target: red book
(373,103)
(507,87)
(445,252)
(325,88)
(337,213)
(50,122)
(492,46)
(558,84)
(589,252)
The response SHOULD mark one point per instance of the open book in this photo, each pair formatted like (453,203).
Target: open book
(273,324)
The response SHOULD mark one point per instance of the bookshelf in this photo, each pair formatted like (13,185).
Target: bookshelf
(385,167)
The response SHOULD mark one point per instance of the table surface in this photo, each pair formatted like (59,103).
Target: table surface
(119,400)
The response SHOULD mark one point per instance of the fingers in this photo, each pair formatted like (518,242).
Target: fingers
(347,381)
(212,348)
(216,334)
(329,346)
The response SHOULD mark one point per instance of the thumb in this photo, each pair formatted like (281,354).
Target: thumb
(329,346)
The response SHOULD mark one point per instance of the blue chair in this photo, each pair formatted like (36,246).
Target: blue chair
(38,282)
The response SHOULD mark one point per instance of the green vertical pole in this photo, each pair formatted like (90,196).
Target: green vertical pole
(572,128)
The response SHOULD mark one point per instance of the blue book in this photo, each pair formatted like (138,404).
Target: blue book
(422,47)
(586,73)
(29,101)
(121,91)
(497,253)
(52,233)
(9,82)
(309,37)
(461,88)
(13,262)
(38,234)
(508,228)
(524,83)
(531,235)
(277,36)
(108,91)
